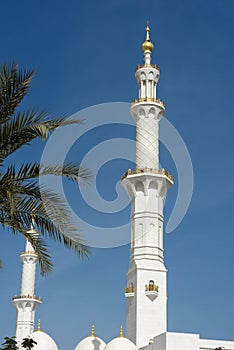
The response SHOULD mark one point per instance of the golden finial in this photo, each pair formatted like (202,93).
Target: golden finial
(147,44)
(39,325)
(147,29)
(121,331)
(92,331)
(32,215)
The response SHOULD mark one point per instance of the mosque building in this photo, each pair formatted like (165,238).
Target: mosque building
(146,291)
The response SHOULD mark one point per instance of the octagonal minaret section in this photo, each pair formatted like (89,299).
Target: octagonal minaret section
(147,185)
(27,302)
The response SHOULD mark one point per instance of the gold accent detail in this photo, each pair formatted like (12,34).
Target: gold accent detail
(92,331)
(121,331)
(147,170)
(149,99)
(27,297)
(151,287)
(147,44)
(32,215)
(39,325)
(28,252)
(130,289)
(147,66)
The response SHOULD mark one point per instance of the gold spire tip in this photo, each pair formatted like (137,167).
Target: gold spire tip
(39,325)
(147,44)
(147,30)
(92,331)
(32,216)
(121,331)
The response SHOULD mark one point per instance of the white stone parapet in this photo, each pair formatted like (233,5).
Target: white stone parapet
(186,341)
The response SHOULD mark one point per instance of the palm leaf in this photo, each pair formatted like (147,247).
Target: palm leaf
(70,170)
(25,127)
(14,85)
(52,218)
(20,193)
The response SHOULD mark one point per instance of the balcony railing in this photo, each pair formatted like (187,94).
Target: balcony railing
(129,289)
(147,170)
(151,288)
(149,99)
(28,252)
(148,66)
(27,297)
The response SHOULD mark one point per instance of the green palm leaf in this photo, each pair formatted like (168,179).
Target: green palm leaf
(20,194)
(14,85)
(24,127)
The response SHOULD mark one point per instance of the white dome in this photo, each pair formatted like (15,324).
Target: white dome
(90,343)
(44,341)
(121,343)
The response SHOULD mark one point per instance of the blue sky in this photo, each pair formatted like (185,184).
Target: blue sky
(85,53)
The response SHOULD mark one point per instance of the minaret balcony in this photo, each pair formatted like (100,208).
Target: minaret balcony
(148,170)
(31,252)
(148,66)
(151,290)
(156,101)
(129,291)
(28,254)
(31,297)
(23,302)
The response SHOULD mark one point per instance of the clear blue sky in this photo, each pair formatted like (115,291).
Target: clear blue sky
(84,54)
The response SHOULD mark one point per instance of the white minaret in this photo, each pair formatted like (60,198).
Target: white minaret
(147,186)
(26,304)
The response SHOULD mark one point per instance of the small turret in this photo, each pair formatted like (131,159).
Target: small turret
(27,302)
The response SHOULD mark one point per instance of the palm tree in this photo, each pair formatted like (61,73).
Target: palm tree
(28,343)
(20,194)
(9,344)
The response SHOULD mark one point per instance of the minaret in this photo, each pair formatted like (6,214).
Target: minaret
(147,186)
(26,304)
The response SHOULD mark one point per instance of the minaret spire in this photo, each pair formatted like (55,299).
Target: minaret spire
(147,186)
(93,331)
(26,304)
(39,325)
(147,46)
(121,331)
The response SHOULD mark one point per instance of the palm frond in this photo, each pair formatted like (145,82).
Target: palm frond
(20,193)
(52,218)
(25,127)
(41,250)
(14,85)
(71,171)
